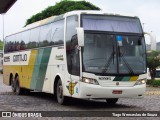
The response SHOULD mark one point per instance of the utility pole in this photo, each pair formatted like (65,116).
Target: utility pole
(3,25)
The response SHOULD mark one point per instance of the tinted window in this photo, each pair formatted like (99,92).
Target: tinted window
(6,48)
(34,38)
(113,54)
(24,40)
(71,46)
(17,42)
(12,43)
(111,23)
(45,35)
(57,32)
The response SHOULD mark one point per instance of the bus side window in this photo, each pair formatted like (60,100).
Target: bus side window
(25,40)
(34,38)
(10,43)
(6,45)
(45,35)
(75,55)
(71,46)
(58,32)
(17,42)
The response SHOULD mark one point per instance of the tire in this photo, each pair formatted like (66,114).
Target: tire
(18,90)
(111,101)
(61,99)
(13,85)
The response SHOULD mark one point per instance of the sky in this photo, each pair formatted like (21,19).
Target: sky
(147,10)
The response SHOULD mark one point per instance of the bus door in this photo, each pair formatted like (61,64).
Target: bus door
(72,55)
(75,67)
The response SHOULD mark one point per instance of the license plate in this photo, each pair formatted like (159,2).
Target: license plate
(117,92)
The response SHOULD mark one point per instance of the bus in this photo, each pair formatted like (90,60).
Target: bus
(80,54)
(156,75)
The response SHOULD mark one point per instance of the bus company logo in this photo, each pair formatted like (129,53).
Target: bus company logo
(71,87)
(7,59)
(20,57)
(117,83)
(59,57)
(104,78)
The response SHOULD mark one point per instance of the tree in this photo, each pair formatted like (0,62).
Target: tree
(61,8)
(153,61)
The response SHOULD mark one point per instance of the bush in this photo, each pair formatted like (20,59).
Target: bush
(149,82)
(1,45)
(153,82)
(61,8)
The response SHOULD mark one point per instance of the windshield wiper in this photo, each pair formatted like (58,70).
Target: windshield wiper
(108,63)
(109,60)
(125,61)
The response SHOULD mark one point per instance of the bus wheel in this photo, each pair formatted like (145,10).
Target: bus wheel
(111,100)
(13,85)
(18,90)
(61,99)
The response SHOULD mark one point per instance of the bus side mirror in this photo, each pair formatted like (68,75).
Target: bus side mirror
(80,35)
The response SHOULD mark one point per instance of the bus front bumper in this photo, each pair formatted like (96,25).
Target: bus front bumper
(91,91)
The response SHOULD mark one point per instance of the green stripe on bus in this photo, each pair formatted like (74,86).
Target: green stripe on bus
(118,78)
(126,78)
(43,67)
(36,70)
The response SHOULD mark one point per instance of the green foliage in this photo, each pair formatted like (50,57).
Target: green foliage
(153,61)
(1,45)
(153,82)
(61,8)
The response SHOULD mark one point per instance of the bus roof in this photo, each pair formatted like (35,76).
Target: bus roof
(56,18)
(93,12)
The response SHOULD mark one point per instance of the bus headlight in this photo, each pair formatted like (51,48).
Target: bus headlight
(140,82)
(90,81)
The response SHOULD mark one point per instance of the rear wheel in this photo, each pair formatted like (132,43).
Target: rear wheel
(111,100)
(13,85)
(61,99)
(18,90)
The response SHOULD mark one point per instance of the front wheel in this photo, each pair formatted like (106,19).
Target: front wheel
(61,99)
(111,100)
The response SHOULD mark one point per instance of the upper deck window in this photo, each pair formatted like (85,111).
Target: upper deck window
(111,23)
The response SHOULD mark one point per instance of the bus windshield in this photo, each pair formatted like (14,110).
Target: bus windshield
(114,52)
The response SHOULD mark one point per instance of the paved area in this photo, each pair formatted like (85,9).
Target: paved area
(36,101)
(4,88)
(152,90)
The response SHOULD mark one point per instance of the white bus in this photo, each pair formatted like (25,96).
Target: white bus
(81,54)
